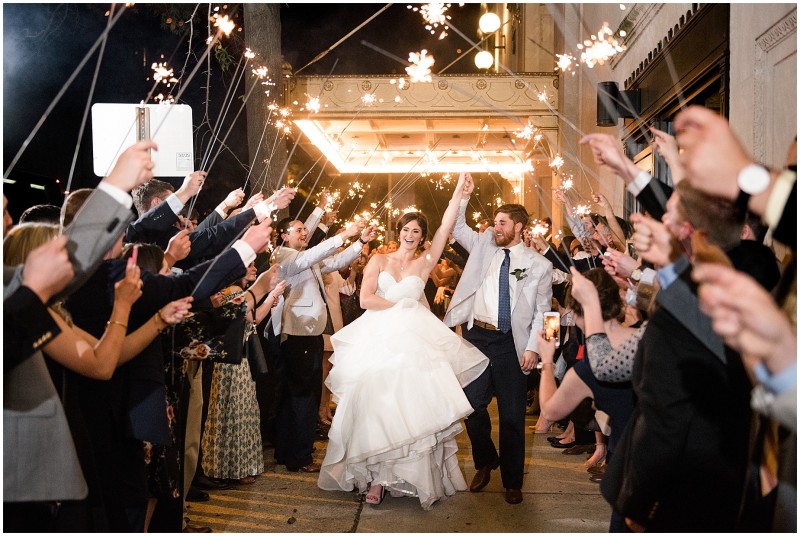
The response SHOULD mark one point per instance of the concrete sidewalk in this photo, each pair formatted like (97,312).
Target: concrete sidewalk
(558,497)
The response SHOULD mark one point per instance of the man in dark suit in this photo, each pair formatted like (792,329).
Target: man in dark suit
(682,460)
(159,207)
(501,297)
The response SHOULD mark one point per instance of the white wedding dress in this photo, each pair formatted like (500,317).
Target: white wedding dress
(397,379)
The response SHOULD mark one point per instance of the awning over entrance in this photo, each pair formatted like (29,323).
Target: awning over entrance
(384,124)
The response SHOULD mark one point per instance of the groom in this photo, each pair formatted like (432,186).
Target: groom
(502,296)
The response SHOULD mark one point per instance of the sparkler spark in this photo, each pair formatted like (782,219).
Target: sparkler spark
(313,105)
(434,15)
(162,73)
(420,68)
(557,162)
(539,228)
(261,72)
(601,48)
(224,24)
(368,99)
(566,184)
(564,63)
(249,54)
(582,210)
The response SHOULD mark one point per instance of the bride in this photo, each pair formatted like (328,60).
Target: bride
(397,378)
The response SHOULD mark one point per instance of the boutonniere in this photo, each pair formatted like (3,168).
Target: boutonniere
(519,273)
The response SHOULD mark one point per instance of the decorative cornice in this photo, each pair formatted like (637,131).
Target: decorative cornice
(662,44)
(778,32)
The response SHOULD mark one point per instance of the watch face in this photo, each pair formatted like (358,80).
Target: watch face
(753,179)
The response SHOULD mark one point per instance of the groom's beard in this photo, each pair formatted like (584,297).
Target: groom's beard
(503,239)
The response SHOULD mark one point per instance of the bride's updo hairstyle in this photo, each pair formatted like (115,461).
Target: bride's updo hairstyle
(421,220)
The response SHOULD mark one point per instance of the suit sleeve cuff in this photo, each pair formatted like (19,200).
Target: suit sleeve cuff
(778,198)
(119,195)
(247,254)
(175,204)
(639,183)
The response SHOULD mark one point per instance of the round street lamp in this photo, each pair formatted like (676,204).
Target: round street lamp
(484,59)
(489,23)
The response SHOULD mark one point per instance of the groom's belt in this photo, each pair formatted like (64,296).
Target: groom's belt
(484,325)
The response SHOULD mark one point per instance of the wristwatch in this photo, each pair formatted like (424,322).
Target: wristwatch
(636,275)
(752,180)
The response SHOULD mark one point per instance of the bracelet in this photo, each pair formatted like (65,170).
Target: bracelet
(158,317)
(110,322)
(362,240)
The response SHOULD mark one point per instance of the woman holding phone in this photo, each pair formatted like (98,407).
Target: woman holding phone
(598,310)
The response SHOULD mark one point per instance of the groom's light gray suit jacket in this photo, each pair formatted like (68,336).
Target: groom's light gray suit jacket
(533,295)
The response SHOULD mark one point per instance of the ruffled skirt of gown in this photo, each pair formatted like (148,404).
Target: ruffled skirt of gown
(397,379)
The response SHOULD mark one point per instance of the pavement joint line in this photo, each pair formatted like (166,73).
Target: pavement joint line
(357,516)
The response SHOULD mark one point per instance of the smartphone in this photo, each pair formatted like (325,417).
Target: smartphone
(552,327)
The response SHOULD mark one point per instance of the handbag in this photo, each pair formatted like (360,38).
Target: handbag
(255,357)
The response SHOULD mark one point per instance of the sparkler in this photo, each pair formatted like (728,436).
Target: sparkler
(566,184)
(539,228)
(582,210)
(434,15)
(368,99)
(224,24)
(601,48)
(420,68)
(565,63)
(557,162)
(313,105)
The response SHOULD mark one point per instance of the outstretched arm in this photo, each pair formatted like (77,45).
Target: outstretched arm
(440,238)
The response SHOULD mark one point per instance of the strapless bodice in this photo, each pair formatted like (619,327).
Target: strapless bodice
(411,286)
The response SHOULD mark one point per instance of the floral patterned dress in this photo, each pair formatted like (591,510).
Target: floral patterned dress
(231,442)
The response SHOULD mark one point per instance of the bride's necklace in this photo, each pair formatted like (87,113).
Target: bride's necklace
(404,263)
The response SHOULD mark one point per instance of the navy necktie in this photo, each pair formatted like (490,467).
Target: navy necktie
(504,302)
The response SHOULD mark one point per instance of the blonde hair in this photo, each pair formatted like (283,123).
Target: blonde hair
(24,238)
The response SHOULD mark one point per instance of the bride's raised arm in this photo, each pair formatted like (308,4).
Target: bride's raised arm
(431,256)
(369,285)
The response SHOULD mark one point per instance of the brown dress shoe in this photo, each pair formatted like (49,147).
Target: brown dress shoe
(310,468)
(513,496)
(483,476)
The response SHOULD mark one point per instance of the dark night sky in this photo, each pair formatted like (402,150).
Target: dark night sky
(43,43)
